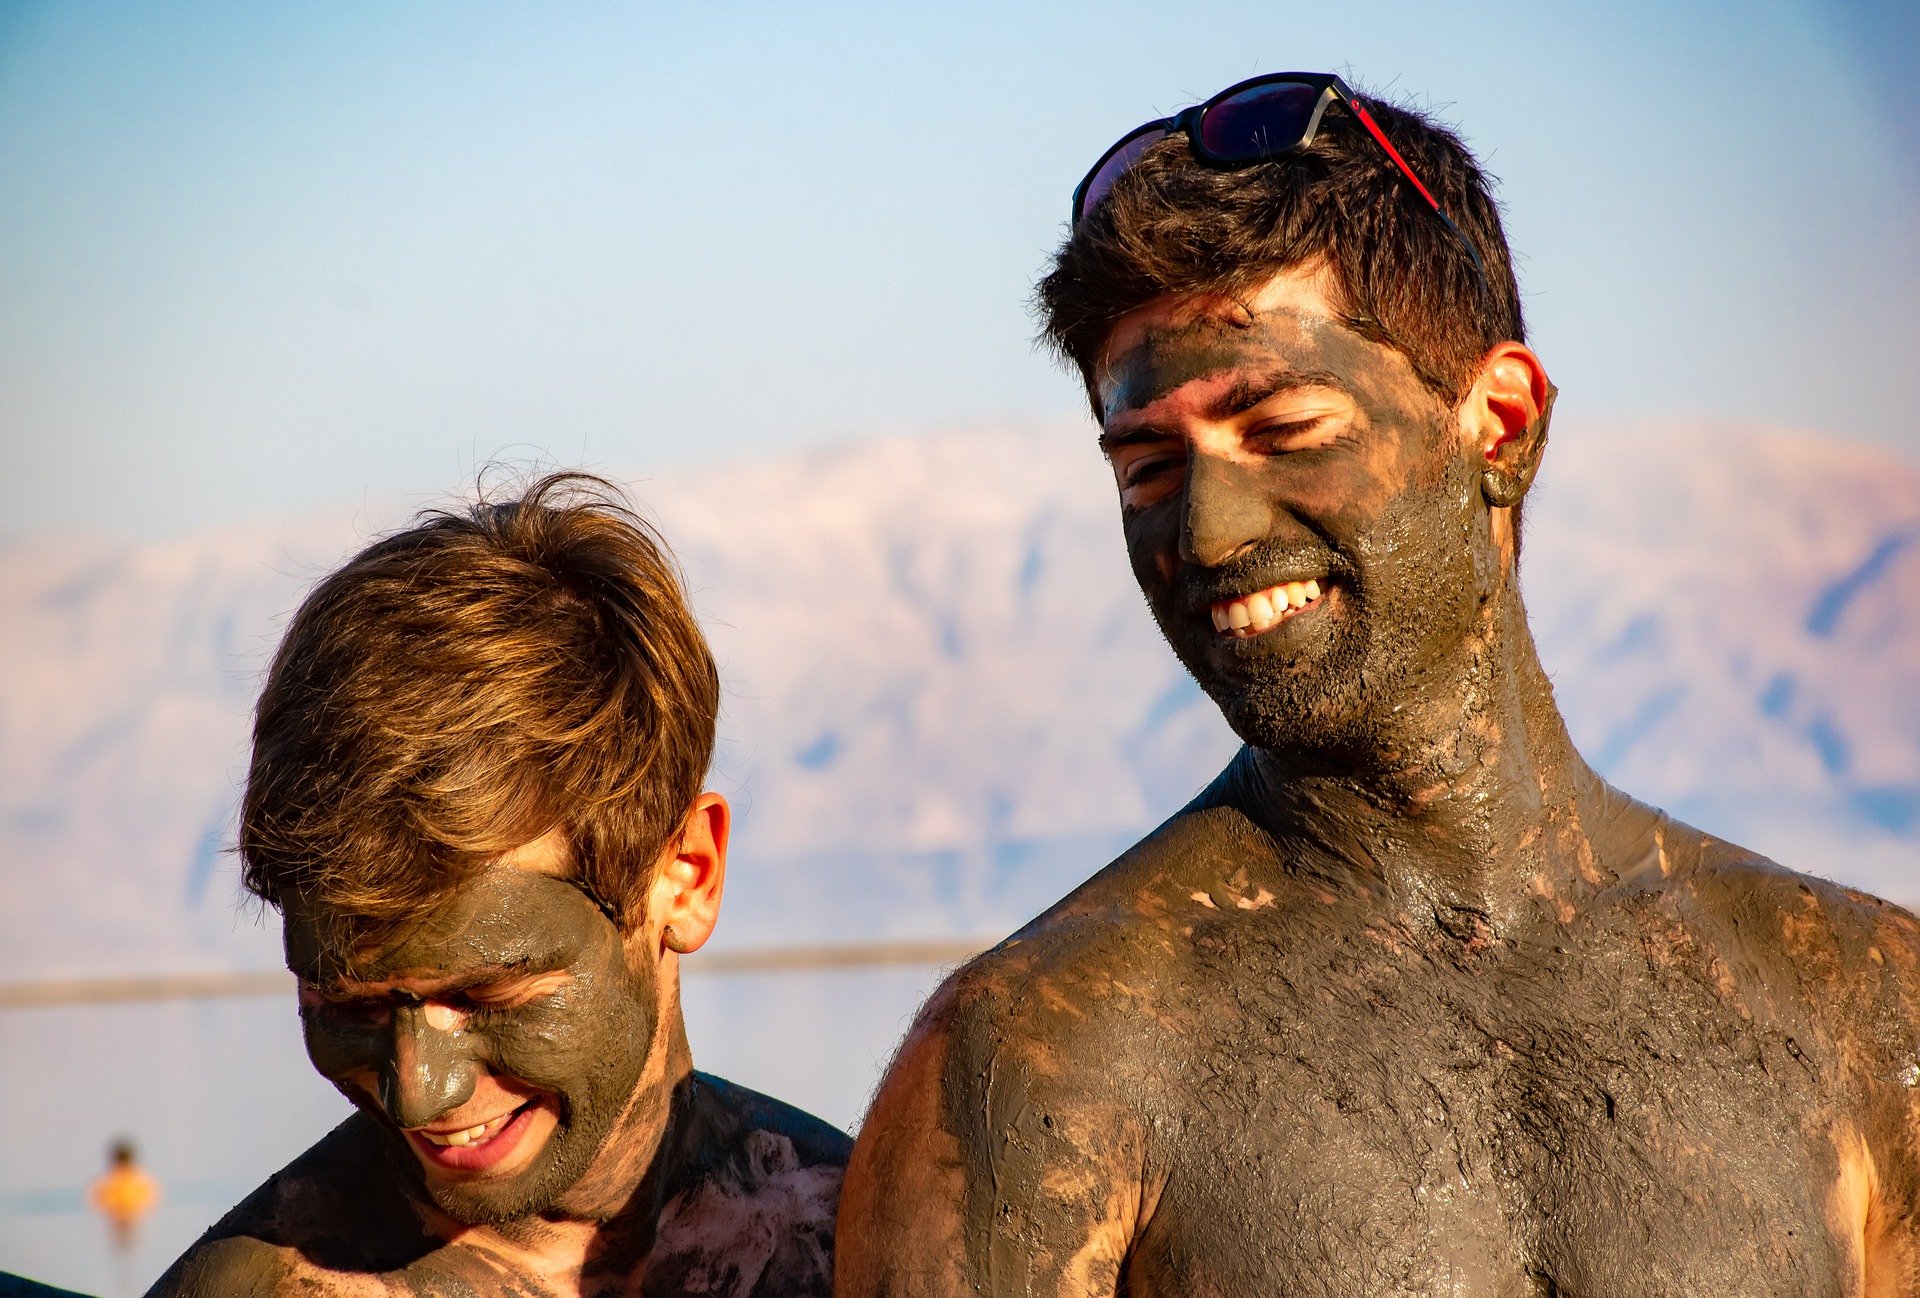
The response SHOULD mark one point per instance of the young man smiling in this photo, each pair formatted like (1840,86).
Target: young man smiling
(475,797)
(1409,1001)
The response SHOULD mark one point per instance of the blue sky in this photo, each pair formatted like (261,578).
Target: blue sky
(258,258)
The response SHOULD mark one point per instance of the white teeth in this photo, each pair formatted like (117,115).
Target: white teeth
(1264,609)
(461,1139)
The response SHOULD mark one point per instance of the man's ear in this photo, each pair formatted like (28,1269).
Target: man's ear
(683,903)
(1507,412)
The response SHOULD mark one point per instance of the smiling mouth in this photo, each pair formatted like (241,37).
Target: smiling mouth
(475,1148)
(1263,610)
(479,1134)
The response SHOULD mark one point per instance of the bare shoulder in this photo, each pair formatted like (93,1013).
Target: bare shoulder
(1077,1000)
(1848,960)
(1009,1136)
(320,1225)
(1065,976)
(1821,928)
(755,1212)
(1068,1021)
(244,1266)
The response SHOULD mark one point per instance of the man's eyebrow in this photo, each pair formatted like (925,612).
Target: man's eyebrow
(1238,399)
(462,981)
(1149,432)
(1252,391)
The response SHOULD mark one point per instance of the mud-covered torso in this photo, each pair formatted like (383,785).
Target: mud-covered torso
(1628,1097)
(745,1210)
(1366,1114)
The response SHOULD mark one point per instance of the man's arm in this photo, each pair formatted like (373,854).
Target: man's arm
(1846,967)
(992,1161)
(318,1224)
(1879,1190)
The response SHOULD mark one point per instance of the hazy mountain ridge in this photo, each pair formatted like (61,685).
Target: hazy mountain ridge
(1746,650)
(945,702)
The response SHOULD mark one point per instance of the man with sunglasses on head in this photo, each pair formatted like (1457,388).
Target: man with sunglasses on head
(1408,1001)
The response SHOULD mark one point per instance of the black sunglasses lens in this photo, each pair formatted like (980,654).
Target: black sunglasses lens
(1259,122)
(1114,166)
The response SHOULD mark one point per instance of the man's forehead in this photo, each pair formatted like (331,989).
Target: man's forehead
(1287,325)
(1304,293)
(505,919)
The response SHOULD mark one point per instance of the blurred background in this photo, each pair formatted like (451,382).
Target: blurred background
(273,277)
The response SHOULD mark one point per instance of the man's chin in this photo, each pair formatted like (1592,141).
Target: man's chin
(1282,730)
(519,1182)
(494,1202)
(1280,698)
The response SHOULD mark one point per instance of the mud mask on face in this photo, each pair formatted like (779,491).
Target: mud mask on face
(410,1035)
(429,1072)
(1226,511)
(1367,513)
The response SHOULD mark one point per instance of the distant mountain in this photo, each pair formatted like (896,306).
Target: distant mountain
(945,703)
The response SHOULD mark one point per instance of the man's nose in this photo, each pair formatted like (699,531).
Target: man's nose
(430,1072)
(1226,511)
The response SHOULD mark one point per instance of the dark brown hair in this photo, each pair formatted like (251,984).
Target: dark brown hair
(1172,225)
(465,686)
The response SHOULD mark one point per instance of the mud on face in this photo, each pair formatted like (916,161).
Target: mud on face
(1309,537)
(498,1042)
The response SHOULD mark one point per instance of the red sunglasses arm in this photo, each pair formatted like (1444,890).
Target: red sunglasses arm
(1373,129)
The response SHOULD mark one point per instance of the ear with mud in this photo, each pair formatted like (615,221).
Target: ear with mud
(1513,402)
(683,903)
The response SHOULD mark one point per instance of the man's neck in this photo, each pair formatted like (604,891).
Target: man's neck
(1468,805)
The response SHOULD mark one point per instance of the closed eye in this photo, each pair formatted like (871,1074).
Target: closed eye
(511,993)
(1144,460)
(369,1010)
(1143,468)
(1282,437)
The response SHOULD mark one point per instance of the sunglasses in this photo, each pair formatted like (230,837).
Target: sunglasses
(1265,117)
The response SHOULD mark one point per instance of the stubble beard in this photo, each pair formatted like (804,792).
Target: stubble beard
(1309,704)
(1343,699)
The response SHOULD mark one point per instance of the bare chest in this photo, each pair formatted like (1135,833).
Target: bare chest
(1560,1126)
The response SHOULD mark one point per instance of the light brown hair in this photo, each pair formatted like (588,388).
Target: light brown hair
(464,686)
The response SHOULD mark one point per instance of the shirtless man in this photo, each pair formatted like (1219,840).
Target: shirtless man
(475,797)
(1408,1001)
